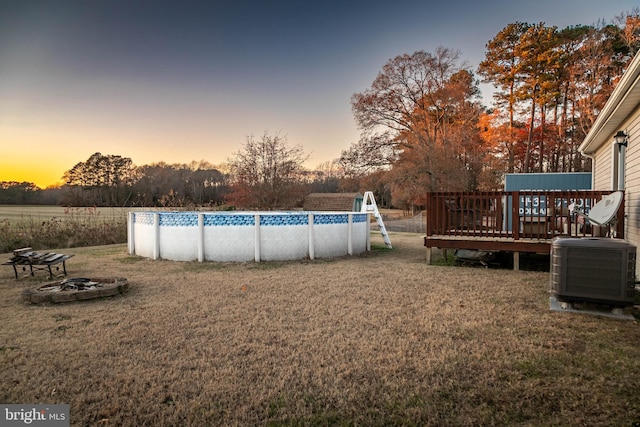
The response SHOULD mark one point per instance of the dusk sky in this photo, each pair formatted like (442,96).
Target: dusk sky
(189,80)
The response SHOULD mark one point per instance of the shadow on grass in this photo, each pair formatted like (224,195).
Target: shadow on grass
(500,261)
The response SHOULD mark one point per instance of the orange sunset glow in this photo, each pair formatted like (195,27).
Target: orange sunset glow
(191,83)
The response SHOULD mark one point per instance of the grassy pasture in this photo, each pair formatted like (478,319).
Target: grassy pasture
(47,227)
(379,339)
(18,213)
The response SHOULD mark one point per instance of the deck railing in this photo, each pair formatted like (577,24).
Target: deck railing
(537,215)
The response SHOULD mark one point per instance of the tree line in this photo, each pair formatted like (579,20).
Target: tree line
(423,128)
(423,124)
(267,173)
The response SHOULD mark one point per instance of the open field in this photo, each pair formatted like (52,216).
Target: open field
(16,213)
(380,339)
(48,227)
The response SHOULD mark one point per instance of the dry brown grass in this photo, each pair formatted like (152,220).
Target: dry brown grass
(380,339)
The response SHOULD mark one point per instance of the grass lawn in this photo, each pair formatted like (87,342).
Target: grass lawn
(380,339)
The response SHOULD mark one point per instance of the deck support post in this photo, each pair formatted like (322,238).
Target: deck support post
(516,261)
(429,255)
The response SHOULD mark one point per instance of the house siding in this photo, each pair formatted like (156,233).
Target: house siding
(602,177)
(632,182)
(621,112)
(602,169)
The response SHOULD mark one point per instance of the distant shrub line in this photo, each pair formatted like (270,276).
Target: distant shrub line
(77,228)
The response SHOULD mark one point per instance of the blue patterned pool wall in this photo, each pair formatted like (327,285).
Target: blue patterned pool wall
(230,236)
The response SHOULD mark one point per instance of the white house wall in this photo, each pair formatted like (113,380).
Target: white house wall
(632,182)
(602,169)
(620,113)
(602,177)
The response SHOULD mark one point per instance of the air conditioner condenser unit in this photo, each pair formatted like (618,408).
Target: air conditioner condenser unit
(598,270)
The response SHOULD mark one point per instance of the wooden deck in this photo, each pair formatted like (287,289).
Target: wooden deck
(517,221)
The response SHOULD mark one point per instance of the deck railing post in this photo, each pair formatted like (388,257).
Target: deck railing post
(430,214)
(515,214)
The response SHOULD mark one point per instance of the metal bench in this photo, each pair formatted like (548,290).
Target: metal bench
(34,261)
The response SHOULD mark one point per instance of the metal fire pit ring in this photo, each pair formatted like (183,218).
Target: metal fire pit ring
(75,289)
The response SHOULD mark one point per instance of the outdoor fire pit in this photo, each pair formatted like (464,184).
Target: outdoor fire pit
(75,289)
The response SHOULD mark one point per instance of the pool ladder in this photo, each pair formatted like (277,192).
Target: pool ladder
(369,205)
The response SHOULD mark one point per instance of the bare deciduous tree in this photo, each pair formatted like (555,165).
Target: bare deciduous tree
(266,173)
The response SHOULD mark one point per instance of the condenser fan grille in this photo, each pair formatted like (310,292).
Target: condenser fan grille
(592,271)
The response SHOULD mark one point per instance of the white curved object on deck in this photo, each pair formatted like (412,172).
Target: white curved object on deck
(604,212)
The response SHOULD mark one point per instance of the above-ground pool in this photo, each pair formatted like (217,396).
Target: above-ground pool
(247,236)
